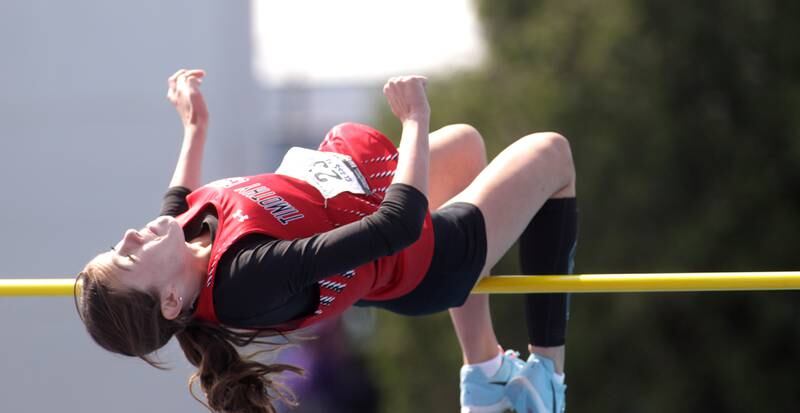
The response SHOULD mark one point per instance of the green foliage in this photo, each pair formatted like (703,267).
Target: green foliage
(684,123)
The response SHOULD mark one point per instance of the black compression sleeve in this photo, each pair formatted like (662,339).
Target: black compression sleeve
(174,201)
(547,246)
(287,269)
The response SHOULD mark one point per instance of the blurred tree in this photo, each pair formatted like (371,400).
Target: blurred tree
(684,124)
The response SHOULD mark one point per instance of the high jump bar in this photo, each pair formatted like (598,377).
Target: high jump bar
(506,284)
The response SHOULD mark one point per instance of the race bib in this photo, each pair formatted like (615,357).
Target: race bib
(330,172)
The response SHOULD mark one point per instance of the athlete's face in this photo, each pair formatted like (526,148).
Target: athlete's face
(151,256)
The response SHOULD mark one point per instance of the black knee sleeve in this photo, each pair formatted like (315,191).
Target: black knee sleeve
(547,246)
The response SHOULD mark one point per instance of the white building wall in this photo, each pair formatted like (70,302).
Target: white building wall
(87,147)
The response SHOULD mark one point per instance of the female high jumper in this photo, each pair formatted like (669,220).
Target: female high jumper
(244,258)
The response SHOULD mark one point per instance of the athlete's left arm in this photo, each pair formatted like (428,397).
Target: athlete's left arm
(184,93)
(296,264)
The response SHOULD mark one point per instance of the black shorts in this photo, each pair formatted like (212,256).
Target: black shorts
(459,254)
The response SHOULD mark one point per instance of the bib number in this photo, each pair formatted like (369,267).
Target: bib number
(331,173)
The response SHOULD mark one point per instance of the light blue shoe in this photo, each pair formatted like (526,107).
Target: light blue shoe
(534,390)
(481,394)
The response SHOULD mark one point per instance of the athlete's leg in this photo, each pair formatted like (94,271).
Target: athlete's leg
(509,192)
(458,155)
(547,246)
(513,188)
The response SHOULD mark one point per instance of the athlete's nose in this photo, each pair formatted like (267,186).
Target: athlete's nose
(130,241)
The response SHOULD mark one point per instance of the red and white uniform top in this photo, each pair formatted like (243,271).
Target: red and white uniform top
(313,192)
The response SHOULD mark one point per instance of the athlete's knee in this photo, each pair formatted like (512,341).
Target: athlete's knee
(556,148)
(560,145)
(472,141)
(466,130)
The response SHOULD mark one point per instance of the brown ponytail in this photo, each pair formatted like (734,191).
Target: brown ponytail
(130,322)
(232,383)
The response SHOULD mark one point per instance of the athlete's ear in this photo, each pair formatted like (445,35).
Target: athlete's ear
(171,305)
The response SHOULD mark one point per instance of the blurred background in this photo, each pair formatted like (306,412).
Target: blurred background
(684,125)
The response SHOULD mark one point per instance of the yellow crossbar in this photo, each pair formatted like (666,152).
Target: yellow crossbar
(32,287)
(638,283)
(587,283)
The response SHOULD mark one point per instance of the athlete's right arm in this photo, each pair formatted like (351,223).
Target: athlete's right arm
(184,93)
(406,97)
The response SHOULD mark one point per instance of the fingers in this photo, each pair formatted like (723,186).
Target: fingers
(194,78)
(172,83)
(406,96)
(195,75)
(190,78)
(405,86)
(183,78)
(406,80)
(174,77)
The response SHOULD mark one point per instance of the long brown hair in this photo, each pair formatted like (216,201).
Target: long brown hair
(130,322)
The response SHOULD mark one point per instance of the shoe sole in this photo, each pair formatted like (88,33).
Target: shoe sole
(499,407)
(527,387)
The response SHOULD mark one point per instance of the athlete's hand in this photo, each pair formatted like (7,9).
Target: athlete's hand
(407,98)
(184,93)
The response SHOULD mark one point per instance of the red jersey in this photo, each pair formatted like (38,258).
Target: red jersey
(299,206)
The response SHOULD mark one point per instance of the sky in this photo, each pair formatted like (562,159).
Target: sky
(320,42)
